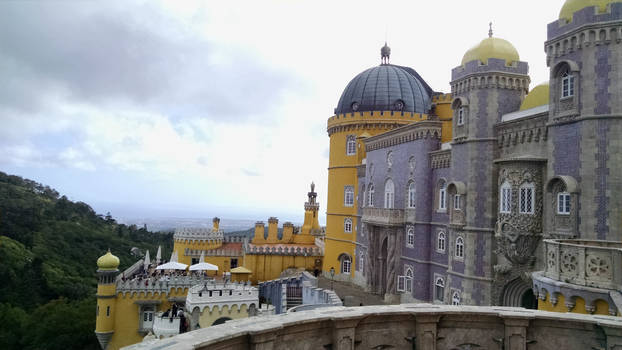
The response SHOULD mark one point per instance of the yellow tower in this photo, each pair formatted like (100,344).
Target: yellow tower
(379,99)
(107,269)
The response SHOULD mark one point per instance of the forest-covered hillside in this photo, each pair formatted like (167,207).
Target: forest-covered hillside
(49,246)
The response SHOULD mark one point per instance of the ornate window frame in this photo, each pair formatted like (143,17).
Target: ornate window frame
(527,198)
(439,288)
(410,236)
(505,198)
(455,297)
(348,196)
(567,85)
(441,241)
(347,225)
(370,195)
(564,203)
(345,264)
(389,194)
(351,145)
(411,195)
(459,251)
(442,196)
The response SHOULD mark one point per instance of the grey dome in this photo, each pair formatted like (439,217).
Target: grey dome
(386,88)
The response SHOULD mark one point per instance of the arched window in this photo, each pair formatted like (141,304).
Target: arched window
(410,236)
(505,202)
(455,298)
(411,195)
(442,196)
(346,264)
(389,194)
(563,203)
(351,145)
(347,225)
(567,84)
(461,115)
(410,277)
(460,247)
(527,198)
(439,287)
(362,263)
(440,246)
(457,202)
(348,194)
(370,195)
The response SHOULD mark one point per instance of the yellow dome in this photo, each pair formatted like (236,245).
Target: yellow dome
(538,96)
(492,48)
(572,6)
(108,262)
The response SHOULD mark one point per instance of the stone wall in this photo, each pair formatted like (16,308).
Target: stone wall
(430,327)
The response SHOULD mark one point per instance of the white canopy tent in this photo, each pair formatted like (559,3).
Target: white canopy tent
(202,265)
(173,264)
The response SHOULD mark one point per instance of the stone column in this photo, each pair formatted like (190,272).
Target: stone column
(343,334)
(426,330)
(263,341)
(614,338)
(515,333)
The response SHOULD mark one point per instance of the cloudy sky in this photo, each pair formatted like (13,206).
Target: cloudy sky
(202,108)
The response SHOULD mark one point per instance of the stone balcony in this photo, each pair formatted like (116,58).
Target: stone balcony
(407,326)
(383,217)
(596,264)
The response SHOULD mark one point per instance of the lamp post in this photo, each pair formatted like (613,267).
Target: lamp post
(332,275)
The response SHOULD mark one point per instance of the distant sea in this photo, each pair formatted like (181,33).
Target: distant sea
(170,224)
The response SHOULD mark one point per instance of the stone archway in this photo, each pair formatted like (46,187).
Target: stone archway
(221,321)
(518,293)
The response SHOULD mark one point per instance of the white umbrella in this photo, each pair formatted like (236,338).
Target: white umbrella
(202,265)
(159,255)
(147,260)
(172,265)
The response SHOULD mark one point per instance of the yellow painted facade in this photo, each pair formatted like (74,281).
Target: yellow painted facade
(601,307)
(209,316)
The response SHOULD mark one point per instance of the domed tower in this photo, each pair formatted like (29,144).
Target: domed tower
(375,101)
(584,54)
(107,269)
(490,82)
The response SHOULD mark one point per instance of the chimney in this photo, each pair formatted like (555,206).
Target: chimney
(260,231)
(273,230)
(288,233)
(216,224)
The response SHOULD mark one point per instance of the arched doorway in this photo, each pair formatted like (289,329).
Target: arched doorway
(518,293)
(221,321)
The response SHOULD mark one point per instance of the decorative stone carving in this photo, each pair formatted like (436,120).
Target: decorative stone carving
(518,249)
(569,260)
(551,260)
(598,266)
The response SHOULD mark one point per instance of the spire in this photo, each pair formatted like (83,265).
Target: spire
(490,30)
(385,53)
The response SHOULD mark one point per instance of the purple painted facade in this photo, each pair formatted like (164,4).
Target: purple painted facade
(585,16)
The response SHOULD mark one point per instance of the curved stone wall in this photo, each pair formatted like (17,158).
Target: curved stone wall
(431,327)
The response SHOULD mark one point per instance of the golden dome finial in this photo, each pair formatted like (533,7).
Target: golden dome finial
(108,261)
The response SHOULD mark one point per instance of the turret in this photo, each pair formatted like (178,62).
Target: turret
(273,230)
(216,224)
(260,231)
(107,269)
(311,225)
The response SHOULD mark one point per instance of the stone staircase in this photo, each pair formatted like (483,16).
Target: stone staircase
(351,294)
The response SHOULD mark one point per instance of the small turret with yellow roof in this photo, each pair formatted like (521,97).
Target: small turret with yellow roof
(492,47)
(107,270)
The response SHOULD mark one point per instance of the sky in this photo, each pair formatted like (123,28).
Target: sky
(214,108)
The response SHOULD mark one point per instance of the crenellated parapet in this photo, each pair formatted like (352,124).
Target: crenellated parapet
(198,234)
(370,120)
(281,249)
(196,253)
(496,74)
(159,285)
(442,98)
(217,295)
(440,159)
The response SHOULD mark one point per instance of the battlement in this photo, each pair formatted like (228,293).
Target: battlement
(283,249)
(340,121)
(198,234)
(491,73)
(158,284)
(583,18)
(442,98)
(212,295)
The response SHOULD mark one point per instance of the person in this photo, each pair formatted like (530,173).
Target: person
(174,310)
(165,314)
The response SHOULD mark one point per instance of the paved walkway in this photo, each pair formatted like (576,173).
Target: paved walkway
(352,295)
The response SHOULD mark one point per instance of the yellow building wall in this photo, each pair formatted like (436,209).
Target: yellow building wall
(268,267)
(180,246)
(445,115)
(208,317)
(126,318)
(602,307)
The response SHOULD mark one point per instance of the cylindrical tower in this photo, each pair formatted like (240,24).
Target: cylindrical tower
(107,269)
(379,99)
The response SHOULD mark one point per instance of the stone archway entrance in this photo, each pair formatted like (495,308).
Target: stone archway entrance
(518,293)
